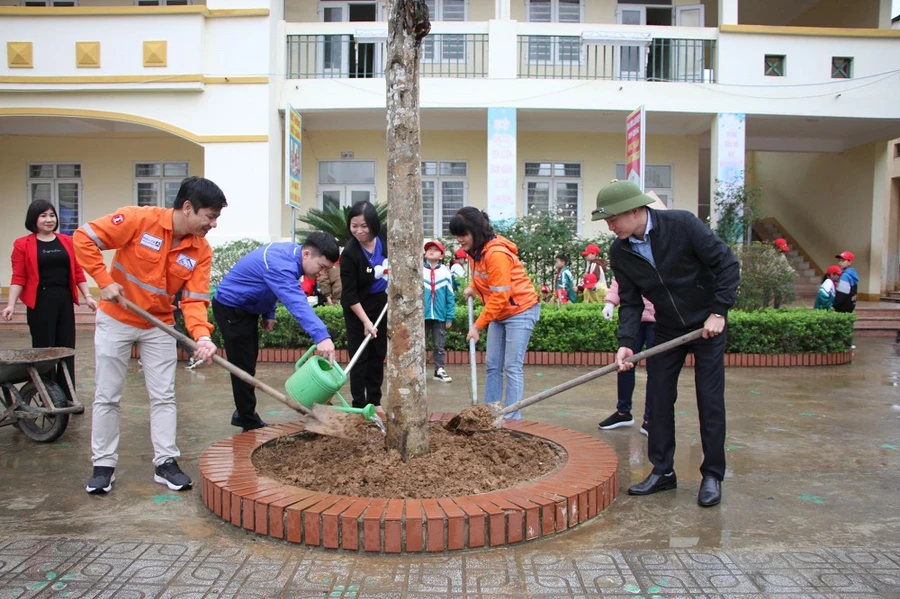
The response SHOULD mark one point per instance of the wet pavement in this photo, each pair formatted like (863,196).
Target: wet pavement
(810,504)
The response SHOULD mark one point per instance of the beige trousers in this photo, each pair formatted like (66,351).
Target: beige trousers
(112,346)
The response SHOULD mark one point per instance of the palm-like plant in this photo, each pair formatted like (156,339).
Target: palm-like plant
(333,220)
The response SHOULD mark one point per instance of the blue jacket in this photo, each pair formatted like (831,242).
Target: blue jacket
(264,276)
(440,305)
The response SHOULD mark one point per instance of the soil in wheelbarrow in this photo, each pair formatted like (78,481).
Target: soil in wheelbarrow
(455,465)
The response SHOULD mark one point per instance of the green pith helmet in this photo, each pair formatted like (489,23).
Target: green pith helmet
(619,197)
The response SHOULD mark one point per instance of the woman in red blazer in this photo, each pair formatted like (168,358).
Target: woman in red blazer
(46,277)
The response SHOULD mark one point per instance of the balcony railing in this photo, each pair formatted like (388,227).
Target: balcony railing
(341,56)
(662,59)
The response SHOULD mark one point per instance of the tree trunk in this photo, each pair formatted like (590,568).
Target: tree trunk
(407,405)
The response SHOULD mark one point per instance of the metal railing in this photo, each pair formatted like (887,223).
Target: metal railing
(341,56)
(663,59)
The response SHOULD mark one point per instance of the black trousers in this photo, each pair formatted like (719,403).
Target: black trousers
(662,392)
(52,324)
(240,332)
(368,373)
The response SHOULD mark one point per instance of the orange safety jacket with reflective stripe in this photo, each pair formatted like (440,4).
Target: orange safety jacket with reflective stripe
(148,268)
(500,279)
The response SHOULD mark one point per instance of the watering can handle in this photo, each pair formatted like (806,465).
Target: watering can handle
(305,357)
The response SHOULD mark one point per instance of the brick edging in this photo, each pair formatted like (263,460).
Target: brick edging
(584,486)
(536,358)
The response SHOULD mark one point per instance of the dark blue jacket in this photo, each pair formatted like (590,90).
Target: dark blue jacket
(696,274)
(264,276)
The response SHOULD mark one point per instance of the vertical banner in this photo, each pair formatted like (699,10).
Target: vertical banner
(501,182)
(292,156)
(635,130)
(730,148)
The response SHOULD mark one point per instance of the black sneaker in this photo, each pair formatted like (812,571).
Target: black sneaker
(168,473)
(616,420)
(441,375)
(101,481)
(644,428)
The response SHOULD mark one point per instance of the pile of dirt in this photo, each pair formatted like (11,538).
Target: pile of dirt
(455,465)
(476,419)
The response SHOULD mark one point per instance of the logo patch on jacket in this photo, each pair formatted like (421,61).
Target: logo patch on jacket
(152,242)
(186,261)
(117,219)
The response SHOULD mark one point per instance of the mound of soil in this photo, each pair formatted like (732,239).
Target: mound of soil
(455,465)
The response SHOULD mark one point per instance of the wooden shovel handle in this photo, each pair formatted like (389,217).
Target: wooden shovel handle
(653,351)
(188,342)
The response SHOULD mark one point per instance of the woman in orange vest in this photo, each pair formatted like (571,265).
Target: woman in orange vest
(511,306)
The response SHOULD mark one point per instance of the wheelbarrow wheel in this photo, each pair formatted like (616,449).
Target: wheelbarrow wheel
(46,427)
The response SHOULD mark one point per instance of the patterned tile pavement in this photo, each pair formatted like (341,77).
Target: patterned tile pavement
(95,569)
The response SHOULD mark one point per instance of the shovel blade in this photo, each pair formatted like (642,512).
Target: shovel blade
(477,419)
(332,423)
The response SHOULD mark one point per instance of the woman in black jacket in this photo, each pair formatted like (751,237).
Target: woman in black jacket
(363,297)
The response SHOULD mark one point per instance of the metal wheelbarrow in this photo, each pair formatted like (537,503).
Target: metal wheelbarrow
(39,408)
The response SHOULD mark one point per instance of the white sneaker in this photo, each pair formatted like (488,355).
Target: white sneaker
(441,375)
(193,363)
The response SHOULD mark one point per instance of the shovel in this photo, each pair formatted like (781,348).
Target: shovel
(462,423)
(320,420)
(472,365)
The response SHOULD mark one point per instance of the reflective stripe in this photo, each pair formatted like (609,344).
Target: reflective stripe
(133,279)
(501,288)
(265,259)
(480,274)
(90,232)
(192,295)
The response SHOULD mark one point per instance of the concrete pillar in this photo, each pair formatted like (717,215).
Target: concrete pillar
(728,12)
(501,10)
(874,282)
(504,49)
(242,171)
(726,154)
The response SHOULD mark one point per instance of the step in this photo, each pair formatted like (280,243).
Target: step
(880,322)
(891,333)
(880,312)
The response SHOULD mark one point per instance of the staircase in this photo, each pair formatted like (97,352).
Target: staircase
(84,318)
(892,297)
(809,276)
(877,319)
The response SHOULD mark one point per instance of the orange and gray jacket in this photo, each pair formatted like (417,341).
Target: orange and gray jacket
(148,268)
(501,281)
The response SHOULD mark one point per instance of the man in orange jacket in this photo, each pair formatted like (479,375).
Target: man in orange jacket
(159,251)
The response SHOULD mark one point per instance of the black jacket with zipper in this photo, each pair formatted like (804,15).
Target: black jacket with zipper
(696,274)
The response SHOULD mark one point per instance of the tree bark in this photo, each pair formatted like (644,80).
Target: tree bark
(407,405)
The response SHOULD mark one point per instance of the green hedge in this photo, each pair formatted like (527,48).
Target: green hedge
(581,327)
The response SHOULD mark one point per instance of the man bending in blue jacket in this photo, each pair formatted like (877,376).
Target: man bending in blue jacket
(249,290)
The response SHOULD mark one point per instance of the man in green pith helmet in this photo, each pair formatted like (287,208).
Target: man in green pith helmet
(691,276)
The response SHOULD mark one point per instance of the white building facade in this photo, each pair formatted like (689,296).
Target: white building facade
(105,103)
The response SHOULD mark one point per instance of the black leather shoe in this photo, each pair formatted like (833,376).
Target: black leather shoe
(710,492)
(256,423)
(654,484)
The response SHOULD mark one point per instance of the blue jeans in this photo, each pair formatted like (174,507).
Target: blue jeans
(626,379)
(506,344)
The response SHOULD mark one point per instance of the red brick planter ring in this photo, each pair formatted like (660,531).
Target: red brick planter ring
(596,359)
(585,485)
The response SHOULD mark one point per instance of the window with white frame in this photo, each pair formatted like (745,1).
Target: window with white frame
(449,47)
(658,178)
(162,2)
(157,183)
(444,186)
(59,184)
(57,3)
(554,188)
(554,49)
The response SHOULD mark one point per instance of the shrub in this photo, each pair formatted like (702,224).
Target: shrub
(225,256)
(765,274)
(581,327)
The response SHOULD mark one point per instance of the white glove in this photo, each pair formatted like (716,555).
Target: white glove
(608,311)
(382,270)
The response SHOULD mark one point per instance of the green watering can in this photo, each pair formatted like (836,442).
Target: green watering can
(315,381)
